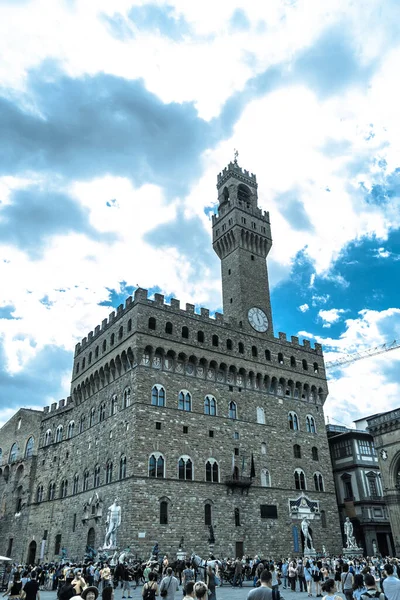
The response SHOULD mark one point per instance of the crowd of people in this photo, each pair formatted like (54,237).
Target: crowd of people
(358,579)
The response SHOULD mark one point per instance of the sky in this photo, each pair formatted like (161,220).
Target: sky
(115,119)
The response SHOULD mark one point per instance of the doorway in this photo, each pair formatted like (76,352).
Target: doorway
(32,553)
(91,537)
(239,550)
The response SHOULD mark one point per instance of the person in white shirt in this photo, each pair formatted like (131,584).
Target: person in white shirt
(391,585)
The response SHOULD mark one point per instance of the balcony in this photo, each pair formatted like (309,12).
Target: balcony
(240,483)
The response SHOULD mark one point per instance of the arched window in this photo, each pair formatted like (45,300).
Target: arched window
(323,519)
(293,421)
(299,479)
(200,336)
(92,417)
(316,368)
(156,465)
(232,410)
(47,437)
(90,358)
(237,517)
(212,471)
(64,488)
(152,323)
(122,467)
(127,398)
(59,433)
(29,447)
(52,491)
(310,424)
(104,345)
(207,514)
(76,484)
(185,468)
(112,340)
(129,325)
(109,471)
(229,344)
(120,333)
(243,193)
(210,406)
(260,415)
(254,351)
(318,482)
(114,404)
(292,361)
(184,401)
(267,355)
(83,364)
(86,480)
(168,327)
(263,448)
(102,412)
(71,429)
(265,478)
(372,484)
(77,368)
(280,358)
(241,348)
(82,423)
(215,340)
(158,395)
(185,332)
(296,451)
(39,494)
(96,352)
(163,512)
(314,453)
(305,365)
(96,478)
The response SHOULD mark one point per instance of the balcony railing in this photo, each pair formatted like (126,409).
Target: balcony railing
(242,483)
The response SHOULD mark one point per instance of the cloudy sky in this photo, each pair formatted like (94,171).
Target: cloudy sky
(115,118)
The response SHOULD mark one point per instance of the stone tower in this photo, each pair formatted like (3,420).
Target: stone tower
(242,240)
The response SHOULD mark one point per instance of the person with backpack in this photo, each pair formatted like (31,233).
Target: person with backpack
(329,587)
(358,587)
(371,591)
(347,582)
(150,589)
(308,577)
(169,585)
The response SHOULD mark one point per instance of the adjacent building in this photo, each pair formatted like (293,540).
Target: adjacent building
(208,429)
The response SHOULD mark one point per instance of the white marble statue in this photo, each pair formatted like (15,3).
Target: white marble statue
(348,531)
(308,542)
(113,522)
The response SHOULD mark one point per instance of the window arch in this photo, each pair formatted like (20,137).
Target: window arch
(316,367)
(158,395)
(184,400)
(296,451)
(373,483)
(129,328)
(102,412)
(112,340)
(96,478)
(212,471)
(263,448)
(185,332)
(83,363)
(232,410)
(82,423)
(293,421)
(152,323)
(185,468)
(314,453)
(120,333)
(229,344)
(254,351)
(168,327)
(109,471)
(299,480)
(114,405)
(210,406)
(200,336)
(305,365)
(318,482)
(47,437)
(39,494)
(104,345)
(122,467)
(237,517)
(208,514)
(243,193)
(64,488)
(127,398)
(280,358)
(292,361)
(215,340)
(260,415)
(75,487)
(241,348)
(96,352)
(14,452)
(267,355)
(86,476)
(163,512)
(157,465)
(71,429)
(310,424)
(265,478)
(59,433)
(90,358)
(29,447)
(52,491)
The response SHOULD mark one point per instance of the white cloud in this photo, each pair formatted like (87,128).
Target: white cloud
(304,308)
(330,316)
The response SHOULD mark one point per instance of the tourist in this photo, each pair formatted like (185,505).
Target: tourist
(31,588)
(358,586)
(169,584)
(347,582)
(274,580)
(308,577)
(284,573)
(105,575)
(292,574)
(371,591)
(329,587)
(391,585)
(108,593)
(15,587)
(187,574)
(300,576)
(188,591)
(200,590)
(264,592)
(78,583)
(89,593)
(150,589)
(211,584)
(237,577)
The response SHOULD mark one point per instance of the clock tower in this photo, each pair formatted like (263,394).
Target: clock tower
(242,240)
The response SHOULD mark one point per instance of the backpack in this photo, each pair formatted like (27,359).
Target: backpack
(149,593)
(367,595)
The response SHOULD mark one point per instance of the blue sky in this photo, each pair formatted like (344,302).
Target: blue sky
(115,119)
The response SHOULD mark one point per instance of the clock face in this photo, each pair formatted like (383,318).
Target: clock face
(258,319)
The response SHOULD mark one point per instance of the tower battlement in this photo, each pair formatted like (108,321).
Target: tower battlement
(238,172)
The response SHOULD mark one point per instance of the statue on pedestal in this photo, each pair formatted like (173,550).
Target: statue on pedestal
(308,542)
(113,522)
(348,531)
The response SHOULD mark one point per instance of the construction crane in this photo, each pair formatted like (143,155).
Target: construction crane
(350,358)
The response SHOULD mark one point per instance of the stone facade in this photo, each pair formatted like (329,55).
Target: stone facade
(385,429)
(359,488)
(203,427)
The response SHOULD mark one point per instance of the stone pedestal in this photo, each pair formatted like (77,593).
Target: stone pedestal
(353,552)
(181,555)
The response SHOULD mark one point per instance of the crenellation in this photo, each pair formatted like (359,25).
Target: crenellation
(190,308)
(53,406)
(97,330)
(90,336)
(282,336)
(46,409)
(128,302)
(104,324)
(295,340)
(175,304)
(204,312)
(159,299)
(219,317)
(61,403)
(120,309)
(111,317)
(140,295)
(307,344)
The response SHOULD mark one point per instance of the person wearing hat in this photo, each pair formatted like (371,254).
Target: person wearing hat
(89,593)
